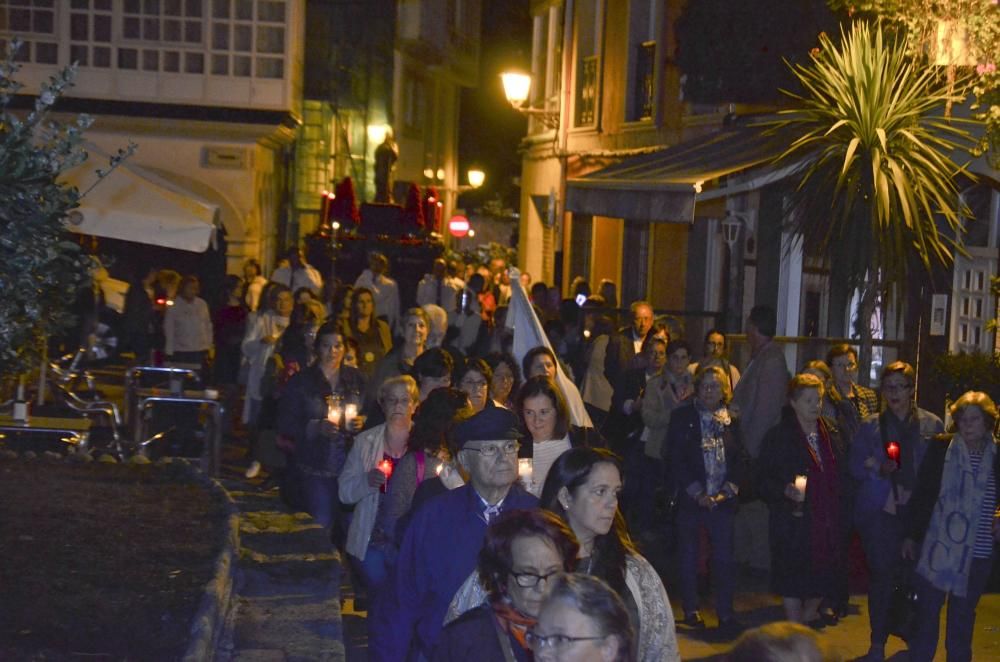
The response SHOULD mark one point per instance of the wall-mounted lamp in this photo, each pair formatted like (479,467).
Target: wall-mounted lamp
(731,226)
(516,87)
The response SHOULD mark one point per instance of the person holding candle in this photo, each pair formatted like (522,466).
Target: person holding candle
(583,487)
(318,434)
(545,416)
(708,464)
(427,467)
(524,553)
(884,486)
(958,482)
(367,473)
(799,479)
(445,534)
(847,412)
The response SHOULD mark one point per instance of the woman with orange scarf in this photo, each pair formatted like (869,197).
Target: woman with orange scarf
(524,551)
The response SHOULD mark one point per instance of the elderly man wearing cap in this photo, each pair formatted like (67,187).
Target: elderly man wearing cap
(444,537)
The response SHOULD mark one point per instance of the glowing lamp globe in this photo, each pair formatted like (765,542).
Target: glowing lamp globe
(458,226)
(476,177)
(516,86)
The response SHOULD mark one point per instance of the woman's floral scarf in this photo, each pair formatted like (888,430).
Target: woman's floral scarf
(714,425)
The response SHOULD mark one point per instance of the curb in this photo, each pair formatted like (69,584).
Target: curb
(209,620)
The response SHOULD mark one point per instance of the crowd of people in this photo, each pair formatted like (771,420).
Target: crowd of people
(483,519)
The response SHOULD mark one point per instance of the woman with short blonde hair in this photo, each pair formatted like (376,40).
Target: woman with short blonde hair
(958,481)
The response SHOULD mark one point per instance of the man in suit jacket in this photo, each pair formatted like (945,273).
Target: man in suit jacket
(624,345)
(757,396)
(757,401)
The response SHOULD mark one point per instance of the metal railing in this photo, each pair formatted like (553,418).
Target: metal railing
(211,456)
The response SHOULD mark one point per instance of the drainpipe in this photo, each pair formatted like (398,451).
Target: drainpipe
(563,137)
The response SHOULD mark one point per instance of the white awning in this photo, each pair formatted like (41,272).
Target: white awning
(135,204)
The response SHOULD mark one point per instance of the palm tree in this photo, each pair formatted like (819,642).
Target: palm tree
(877,194)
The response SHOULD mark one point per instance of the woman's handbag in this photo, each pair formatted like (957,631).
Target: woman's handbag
(904,601)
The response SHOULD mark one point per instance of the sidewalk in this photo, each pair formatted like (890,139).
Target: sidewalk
(286,602)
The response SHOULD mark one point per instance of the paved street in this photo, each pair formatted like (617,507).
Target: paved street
(849,638)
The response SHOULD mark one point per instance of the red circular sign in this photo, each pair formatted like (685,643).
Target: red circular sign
(458,226)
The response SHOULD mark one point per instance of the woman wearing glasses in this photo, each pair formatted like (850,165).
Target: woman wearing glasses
(366,479)
(524,552)
(582,620)
(583,487)
(884,460)
(474,379)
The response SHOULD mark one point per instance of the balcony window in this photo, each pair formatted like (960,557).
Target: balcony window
(645,63)
(645,19)
(586,91)
(233,38)
(33,21)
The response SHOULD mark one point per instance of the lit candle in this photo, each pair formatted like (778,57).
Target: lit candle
(892,450)
(524,473)
(350,411)
(800,484)
(333,413)
(385,466)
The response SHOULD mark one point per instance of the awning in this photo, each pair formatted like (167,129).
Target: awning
(135,204)
(663,186)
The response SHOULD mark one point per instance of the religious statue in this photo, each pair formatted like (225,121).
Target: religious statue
(386,156)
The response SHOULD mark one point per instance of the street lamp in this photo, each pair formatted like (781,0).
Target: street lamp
(732,224)
(516,86)
(476,177)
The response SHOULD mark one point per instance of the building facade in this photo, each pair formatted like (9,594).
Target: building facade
(604,72)
(209,90)
(383,65)
(680,203)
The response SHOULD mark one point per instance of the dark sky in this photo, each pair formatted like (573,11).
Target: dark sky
(489,129)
